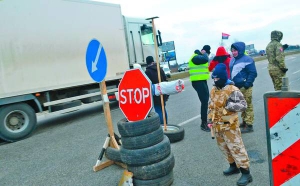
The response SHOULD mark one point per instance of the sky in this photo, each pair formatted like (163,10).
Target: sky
(191,24)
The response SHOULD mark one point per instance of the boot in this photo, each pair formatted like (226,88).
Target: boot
(204,126)
(231,170)
(247,128)
(242,125)
(245,178)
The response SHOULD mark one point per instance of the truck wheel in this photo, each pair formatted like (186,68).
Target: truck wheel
(137,128)
(174,132)
(143,141)
(17,121)
(153,171)
(146,156)
(165,181)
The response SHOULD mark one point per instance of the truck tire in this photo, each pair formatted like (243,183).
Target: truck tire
(143,141)
(137,128)
(113,154)
(17,121)
(153,171)
(163,181)
(174,132)
(146,156)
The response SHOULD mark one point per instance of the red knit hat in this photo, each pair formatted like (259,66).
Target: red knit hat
(221,51)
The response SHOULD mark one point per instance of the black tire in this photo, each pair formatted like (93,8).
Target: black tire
(153,171)
(147,155)
(137,128)
(163,181)
(143,141)
(174,132)
(113,154)
(17,121)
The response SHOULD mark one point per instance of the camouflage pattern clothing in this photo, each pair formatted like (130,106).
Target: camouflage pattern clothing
(223,107)
(248,114)
(275,55)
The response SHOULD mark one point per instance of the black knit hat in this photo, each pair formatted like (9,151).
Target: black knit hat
(149,60)
(220,72)
(197,52)
(206,48)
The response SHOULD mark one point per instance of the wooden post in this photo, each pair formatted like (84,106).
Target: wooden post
(112,143)
(158,69)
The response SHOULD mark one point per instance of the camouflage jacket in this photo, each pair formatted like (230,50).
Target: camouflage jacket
(275,52)
(225,103)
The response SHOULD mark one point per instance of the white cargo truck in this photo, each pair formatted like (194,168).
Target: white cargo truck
(43,46)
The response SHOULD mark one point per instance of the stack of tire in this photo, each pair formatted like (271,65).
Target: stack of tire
(146,151)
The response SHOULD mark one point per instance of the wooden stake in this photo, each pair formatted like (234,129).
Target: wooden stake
(158,69)
(112,143)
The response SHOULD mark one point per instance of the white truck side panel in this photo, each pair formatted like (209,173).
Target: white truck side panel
(43,43)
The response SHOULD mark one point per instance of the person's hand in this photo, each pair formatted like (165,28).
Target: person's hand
(284,70)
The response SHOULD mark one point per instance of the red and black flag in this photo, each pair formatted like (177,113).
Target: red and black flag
(225,36)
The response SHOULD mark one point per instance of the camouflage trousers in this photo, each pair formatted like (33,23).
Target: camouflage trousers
(230,142)
(248,114)
(276,76)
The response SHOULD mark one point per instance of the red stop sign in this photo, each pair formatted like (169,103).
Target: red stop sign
(135,97)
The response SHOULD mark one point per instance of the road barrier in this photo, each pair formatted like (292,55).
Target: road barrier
(282,114)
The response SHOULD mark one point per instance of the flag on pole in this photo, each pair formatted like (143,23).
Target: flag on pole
(225,36)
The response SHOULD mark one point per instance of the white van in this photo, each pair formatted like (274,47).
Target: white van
(167,70)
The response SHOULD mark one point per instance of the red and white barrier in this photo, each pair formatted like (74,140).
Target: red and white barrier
(283,131)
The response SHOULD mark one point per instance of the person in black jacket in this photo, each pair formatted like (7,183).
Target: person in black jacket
(151,72)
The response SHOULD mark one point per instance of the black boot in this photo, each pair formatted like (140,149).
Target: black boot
(247,129)
(245,178)
(204,126)
(242,125)
(231,170)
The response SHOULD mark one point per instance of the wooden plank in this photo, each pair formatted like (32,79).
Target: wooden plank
(102,165)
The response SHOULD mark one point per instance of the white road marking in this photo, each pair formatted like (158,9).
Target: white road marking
(296,72)
(189,120)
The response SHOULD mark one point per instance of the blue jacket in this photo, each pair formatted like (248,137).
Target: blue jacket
(242,68)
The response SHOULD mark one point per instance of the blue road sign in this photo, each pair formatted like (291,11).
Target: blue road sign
(96,62)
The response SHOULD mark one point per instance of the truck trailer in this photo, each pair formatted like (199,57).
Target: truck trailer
(43,48)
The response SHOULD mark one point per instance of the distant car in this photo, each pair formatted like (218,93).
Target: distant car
(167,71)
(183,67)
(262,52)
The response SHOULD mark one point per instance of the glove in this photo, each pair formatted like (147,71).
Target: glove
(285,46)
(284,70)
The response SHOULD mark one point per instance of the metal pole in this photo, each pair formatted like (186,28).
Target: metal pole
(285,84)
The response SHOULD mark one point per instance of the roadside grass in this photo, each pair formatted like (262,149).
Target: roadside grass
(256,59)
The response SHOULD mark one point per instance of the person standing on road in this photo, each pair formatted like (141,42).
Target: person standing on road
(275,55)
(225,101)
(198,70)
(221,57)
(151,72)
(243,73)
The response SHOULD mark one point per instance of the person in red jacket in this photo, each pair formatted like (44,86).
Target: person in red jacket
(221,57)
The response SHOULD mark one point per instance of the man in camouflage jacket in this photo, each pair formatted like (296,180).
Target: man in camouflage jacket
(225,101)
(275,55)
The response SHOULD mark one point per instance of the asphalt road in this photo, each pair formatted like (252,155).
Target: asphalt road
(64,148)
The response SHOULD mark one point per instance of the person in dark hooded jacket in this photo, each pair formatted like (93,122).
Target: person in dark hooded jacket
(243,73)
(151,72)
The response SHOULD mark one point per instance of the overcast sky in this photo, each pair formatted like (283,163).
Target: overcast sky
(194,23)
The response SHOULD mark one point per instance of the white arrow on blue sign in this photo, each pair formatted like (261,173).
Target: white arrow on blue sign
(96,62)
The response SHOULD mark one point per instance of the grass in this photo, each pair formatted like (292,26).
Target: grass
(256,59)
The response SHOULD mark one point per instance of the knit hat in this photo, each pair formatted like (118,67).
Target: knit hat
(149,60)
(220,72)
(234,47)
(206,48)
